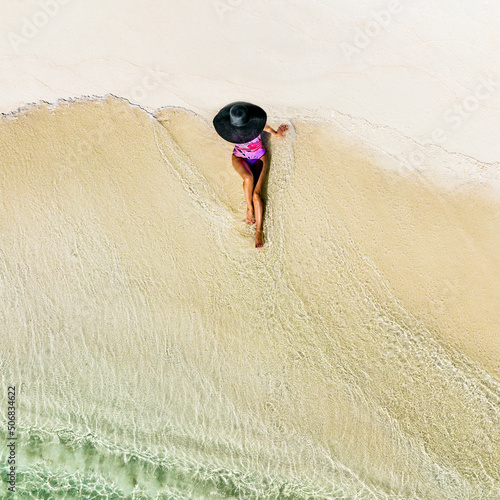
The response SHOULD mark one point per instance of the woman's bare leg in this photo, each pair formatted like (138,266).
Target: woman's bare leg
(242,167)
(258,202)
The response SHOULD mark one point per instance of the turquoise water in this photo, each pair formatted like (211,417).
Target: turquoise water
(67,466)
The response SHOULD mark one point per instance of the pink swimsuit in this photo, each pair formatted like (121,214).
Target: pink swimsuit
(250,151)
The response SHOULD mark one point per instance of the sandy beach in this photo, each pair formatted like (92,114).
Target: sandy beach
(156,353)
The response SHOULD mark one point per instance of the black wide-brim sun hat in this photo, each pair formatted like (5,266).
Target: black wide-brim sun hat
(240,122)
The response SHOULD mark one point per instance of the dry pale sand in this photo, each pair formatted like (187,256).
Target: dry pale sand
(355,355)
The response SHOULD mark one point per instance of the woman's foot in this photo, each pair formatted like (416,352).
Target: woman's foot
(250,215)
(259,238)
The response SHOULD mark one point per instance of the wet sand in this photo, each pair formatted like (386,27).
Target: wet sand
(357,354)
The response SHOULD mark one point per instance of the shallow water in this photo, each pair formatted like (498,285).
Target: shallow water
(158,354)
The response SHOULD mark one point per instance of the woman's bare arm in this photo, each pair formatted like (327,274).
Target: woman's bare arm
(278,133)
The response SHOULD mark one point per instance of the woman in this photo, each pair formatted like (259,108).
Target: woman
(242,123)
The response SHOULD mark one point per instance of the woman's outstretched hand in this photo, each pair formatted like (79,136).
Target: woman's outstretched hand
(281,130)
(278,133)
